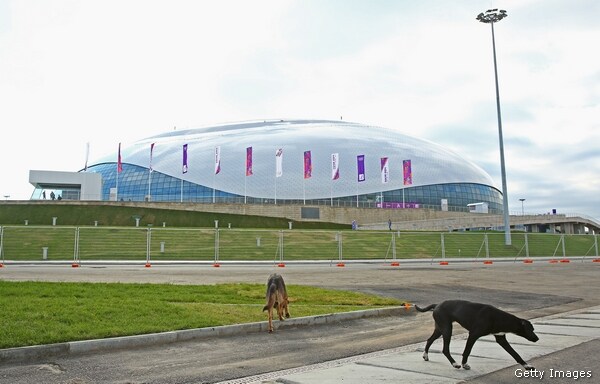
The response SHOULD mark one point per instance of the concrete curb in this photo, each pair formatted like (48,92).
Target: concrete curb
(36,352)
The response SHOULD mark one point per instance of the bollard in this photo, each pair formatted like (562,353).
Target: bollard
(164,224)
(258,241)
(162,247)
(26,222)
(289,224)
(137,221)
(95,223)
(54,220)
(44,253)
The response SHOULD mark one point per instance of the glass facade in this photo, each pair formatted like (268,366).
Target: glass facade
(136,183)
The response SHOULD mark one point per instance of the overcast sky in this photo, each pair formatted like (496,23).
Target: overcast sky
(109,71)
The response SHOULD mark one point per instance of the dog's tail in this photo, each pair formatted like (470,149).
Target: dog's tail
(427,308)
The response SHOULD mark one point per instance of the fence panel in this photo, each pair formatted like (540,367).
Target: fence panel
(363,245)
(310,245)
(498,247)
(28,242)
(418,245)
(112,243)
(580,245)
(466,244)
(182,244)
(244,245)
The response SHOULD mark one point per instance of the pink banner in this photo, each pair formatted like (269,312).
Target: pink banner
(119,162)
(307,165)
(249,161)
(151,151)
(407,171)
(385,170)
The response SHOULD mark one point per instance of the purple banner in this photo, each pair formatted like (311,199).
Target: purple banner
(184,167)
(360,166)
(335,166)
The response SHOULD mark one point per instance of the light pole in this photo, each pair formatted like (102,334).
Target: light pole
(522,209)
(492,16)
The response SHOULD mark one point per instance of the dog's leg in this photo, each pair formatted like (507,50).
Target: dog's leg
(270,319)
(434,336)
(280,310)
(285,306)
(447,336)
(501,339)
(473,337)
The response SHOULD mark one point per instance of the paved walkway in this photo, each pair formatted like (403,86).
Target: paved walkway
(405,364)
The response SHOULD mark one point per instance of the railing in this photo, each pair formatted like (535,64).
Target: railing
(96,243)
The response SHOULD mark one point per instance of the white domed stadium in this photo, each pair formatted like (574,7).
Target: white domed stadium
(295,161)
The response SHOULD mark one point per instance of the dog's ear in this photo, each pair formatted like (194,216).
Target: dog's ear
(527,324)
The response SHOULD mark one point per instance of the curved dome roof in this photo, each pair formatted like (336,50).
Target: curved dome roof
(431,163)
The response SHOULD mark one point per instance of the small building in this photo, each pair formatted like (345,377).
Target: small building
(66,185)
(478,207)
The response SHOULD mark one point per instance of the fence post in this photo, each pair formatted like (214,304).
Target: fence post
(562,238)
(394,246)
(148,246)
(76,247)
(280,245)
(526,245)
(216,263)
(443,247)
(2,245)
(487,246)
(340,251)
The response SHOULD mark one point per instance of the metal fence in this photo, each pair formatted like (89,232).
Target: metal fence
(97,243)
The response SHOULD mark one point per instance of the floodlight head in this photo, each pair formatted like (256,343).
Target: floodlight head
(492,15)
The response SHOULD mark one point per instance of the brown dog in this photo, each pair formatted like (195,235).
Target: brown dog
(276,298)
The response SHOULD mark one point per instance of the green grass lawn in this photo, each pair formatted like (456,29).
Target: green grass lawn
(34,313)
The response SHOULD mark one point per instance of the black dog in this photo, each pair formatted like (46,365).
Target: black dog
(480,320)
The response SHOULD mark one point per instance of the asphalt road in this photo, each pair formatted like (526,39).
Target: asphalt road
(527,290)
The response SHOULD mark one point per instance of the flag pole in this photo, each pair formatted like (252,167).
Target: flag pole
(87,156)
(184,167)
